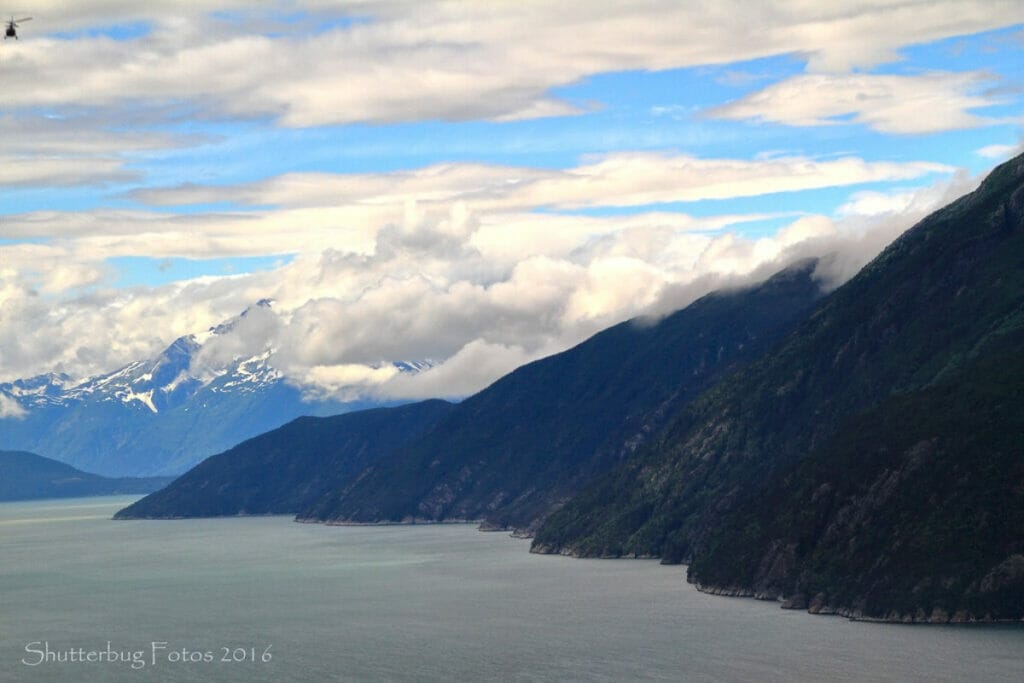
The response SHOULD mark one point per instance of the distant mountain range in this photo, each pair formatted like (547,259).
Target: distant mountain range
(159,416)
(859,453)
(26,476)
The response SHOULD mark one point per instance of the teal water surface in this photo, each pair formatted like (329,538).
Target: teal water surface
(266,599)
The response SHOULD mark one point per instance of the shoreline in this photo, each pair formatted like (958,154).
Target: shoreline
(815,607)
(417,521)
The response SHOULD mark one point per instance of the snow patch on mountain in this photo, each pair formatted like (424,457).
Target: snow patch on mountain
(178,374)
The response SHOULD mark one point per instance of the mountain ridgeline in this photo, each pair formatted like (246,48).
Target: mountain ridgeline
(288,468)
(869,466)
(516,450)
(27,476)
(859,453)
(158,416)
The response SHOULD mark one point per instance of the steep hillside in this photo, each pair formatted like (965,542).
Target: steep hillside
(947,294)
(913,511)
(520,448)
(284,470)
(26,476)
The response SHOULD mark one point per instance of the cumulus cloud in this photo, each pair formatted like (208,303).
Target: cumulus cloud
(439,264)
(886,103)
(472,368)
(342,317)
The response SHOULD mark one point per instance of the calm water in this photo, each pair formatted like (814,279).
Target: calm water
(410,603)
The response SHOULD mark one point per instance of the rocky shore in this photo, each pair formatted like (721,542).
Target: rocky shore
(818,605)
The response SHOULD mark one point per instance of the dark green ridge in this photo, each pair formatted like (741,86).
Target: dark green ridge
(520,448)
(282,471)
(27,476)
(912,511)
(947,294)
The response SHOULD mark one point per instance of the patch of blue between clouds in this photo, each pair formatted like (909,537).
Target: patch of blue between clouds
(999,54)
(320,24)
(17,200)
(685,89)
(118,32)
(4,241)
(623,111)
(663,111)
(135,271)
(964,53)
(786,205)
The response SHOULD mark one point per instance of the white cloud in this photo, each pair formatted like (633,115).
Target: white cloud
(412,265)
(924,103)
(615,179)
(472,368)
(625,179)
(443,60)
(250,336)
(869,223)
(61,171)
(339,317)
(76,150)
(481,215)
(451,261)
(999,151)
(9,409)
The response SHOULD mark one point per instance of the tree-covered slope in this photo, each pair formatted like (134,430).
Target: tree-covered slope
(520,448)
(286,469)
(912,511)
(942,296)
(25,476)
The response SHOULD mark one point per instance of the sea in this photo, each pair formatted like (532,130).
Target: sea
(86,598)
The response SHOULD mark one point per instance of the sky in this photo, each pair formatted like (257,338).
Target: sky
(477,184)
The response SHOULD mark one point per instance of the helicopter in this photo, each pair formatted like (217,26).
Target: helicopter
(12,27)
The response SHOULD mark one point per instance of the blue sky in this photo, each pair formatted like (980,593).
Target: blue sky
(457,182)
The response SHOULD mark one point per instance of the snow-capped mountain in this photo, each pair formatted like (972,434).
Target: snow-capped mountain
(160,416)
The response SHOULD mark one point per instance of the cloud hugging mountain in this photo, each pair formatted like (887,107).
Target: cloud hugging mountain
(160,416)
(857,452)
